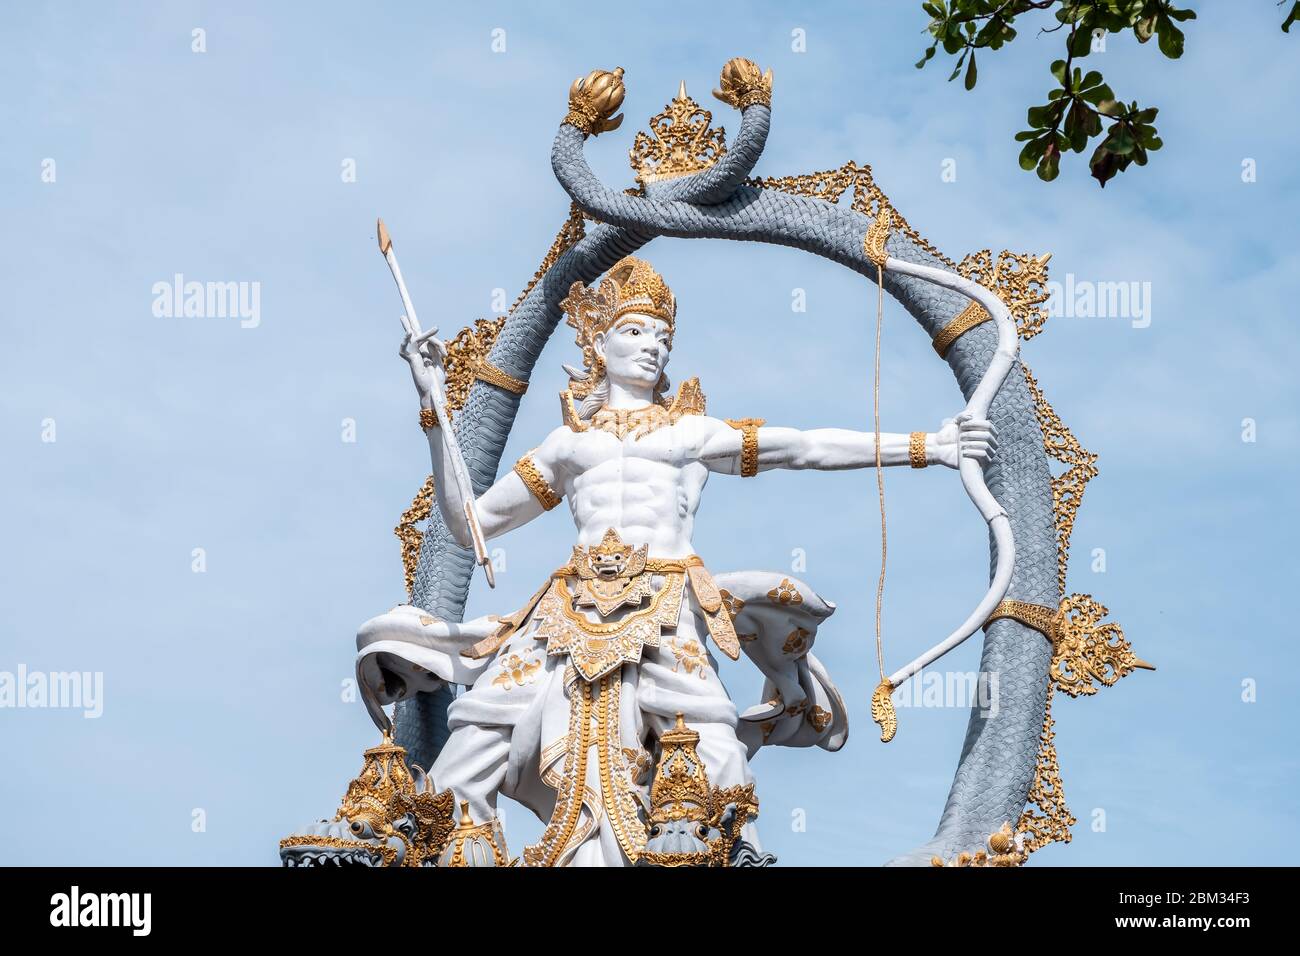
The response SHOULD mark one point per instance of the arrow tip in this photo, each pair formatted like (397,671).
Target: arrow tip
(385,241)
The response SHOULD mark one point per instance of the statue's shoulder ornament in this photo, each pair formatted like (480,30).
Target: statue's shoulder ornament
(569,412)
(689,400)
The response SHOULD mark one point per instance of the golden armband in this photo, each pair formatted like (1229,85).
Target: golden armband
(916,449)
(748,428)
(428,418)
(526,469)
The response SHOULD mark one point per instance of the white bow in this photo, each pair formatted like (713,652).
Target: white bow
(972,473)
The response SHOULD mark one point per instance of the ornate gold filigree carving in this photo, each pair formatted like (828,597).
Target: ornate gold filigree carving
(410,535)
(381,796)
(681,786)
(873,244)
(1085,653)
(619,795)
(1052,822)
(467,360)
(597,647)
(570,785)
(742,84)
(868,198)
(680,791)
(1086,650)
(680,142)
(475,844)
(1068,487)
(638,422)
(428,418)
(882,710)
(1018,279)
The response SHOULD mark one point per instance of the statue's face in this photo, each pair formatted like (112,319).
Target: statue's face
(635,350)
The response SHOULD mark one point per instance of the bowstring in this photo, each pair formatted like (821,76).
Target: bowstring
(880,472)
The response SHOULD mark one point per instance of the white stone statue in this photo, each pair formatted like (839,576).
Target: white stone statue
(569,695)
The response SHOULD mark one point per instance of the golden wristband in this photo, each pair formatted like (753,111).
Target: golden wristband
(916,449)
(428,418)
(526,469)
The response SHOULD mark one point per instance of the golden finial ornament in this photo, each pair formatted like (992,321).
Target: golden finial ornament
(593,100)
(680,142)
(680,790)
(743,84)
(388,804)
(475,844)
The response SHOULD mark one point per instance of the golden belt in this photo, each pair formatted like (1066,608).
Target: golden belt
(567,630)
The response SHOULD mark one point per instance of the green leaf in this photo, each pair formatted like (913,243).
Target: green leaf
(1144,29)
(970,72)
(1121,140)
(1058,71)
(1098,94)
(1091,125)
(928,54)
(1080,44)
(1044,116)
(1050,167)
(1110,108)
(1074,127)
(1032,153)
(1104,164)
(1291,17)
(1091,80)
(957,69)
(1170,38)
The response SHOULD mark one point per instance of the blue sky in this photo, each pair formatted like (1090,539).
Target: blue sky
(222,689)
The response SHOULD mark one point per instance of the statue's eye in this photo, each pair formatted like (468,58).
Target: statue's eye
(633,330)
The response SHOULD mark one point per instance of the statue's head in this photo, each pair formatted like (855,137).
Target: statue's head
(624,328)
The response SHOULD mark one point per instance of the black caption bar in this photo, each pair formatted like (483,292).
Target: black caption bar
(323,908)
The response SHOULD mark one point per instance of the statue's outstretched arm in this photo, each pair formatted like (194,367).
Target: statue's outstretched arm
(742,448)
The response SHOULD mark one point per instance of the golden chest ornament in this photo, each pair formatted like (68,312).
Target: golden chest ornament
(637,422)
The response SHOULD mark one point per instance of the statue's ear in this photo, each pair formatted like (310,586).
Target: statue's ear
(598,343)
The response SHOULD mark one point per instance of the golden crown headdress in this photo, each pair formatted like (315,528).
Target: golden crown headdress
(632,285)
